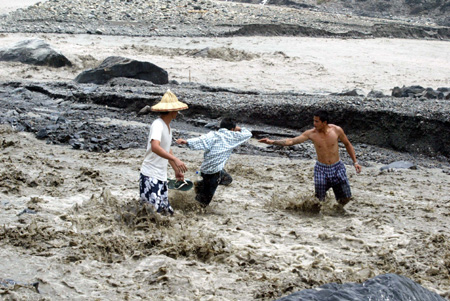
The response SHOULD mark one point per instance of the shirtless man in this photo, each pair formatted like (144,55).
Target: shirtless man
(329,171)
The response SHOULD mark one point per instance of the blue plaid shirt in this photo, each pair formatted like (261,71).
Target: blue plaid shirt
(218,146)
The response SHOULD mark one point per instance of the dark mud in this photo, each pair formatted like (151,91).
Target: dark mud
(103,118)
(373,31)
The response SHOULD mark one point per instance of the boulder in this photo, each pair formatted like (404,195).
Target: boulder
(421,92)
(413,91)
(432,94)
(383,287)
(115,66)
(397,92)
(145,110)
(354,92)
(376,94)
(34,52)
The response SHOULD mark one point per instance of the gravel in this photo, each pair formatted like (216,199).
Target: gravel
(206,18)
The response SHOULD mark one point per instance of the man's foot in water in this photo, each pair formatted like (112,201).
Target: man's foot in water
(344,202)
(332,208)
(202,204)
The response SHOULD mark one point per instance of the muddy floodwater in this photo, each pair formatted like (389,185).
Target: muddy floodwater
(70,221)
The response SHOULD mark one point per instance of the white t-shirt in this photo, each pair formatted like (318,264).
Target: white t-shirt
(155,166)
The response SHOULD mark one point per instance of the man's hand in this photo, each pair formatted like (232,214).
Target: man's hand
(358,167)
(179,176)
(266,141)
(181,141)
(180,166)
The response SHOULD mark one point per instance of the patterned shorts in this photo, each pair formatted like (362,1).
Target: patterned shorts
(155,192)
(331,176)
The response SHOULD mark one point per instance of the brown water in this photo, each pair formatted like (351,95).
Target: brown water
(262,236)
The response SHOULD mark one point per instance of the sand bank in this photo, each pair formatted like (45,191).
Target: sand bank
(309,65)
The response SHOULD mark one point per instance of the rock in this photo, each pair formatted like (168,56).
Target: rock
(420,92)
(42,134)
(398,165)
(397,92)
(128,145)
(383,287)
(431,94)
(34,52)
(28,211)
(376,94)
(145,110)
(354,92)
(202,53)
(213,125)
(115,66)
(75,144)
(412,91)
(12,284)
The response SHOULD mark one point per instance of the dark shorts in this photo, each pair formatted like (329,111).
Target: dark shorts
(156,193)
(331,176)
(225,178)
(206,188)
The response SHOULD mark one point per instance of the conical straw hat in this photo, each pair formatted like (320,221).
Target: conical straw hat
(169,102)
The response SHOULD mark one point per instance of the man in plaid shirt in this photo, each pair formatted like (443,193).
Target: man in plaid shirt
(218,146)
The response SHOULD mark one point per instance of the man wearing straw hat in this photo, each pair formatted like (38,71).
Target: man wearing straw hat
(153,175)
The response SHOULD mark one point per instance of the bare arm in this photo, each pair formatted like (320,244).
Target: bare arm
(349,148)
(181,141)
(179,175)
(176,163)
(289,141)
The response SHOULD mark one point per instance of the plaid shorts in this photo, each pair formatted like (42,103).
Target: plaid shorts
(331,176)
(156,193)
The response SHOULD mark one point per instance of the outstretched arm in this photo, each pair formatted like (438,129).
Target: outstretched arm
(181,141)
(287,142)
(350,149)
(203,142)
